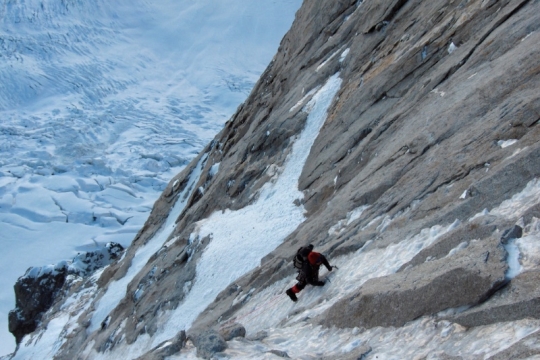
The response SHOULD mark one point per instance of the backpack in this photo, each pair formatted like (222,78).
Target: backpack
(298,260)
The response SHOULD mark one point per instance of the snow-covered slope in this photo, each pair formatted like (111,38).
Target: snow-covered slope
(400,138)
(101,103)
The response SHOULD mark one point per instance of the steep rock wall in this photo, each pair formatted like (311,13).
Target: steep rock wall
(431,94)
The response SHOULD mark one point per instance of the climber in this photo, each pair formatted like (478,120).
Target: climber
(308,263)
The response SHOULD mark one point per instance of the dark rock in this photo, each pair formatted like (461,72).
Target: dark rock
(36,291)
(279,353)
(232,331)
(208,343)
(514,232)
(34,294)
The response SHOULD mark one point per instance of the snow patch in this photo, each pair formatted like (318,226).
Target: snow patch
(351,216)
(328,60)
(458,248)
(301,102)
(344,55)
(514,267)
(506,143)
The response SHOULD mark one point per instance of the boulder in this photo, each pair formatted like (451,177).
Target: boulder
(208,343)
(232,331)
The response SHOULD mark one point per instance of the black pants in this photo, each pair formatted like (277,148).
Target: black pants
(304,279)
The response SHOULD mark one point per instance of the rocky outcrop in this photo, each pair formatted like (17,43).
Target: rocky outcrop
(36,291)
(34,294)
(419,118)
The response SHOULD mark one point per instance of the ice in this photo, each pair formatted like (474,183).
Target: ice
(514,267)
(214,169)
(506,143)
(76,209)
(514,207)
(458,248)
(528,249)
(351,217)
(302,101)
(323,64)
(36,205)
(57,183)
(344,55)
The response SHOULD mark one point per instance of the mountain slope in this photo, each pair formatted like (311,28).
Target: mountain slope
(398,137)
(101,104)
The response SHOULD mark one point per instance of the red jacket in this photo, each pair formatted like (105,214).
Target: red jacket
(316,259)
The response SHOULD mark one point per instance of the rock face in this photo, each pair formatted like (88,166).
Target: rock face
(36,291)
(467,278)
(434,128)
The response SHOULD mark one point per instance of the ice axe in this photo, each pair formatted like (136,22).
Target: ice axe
(327,276)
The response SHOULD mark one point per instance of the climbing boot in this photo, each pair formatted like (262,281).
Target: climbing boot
(291,295)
